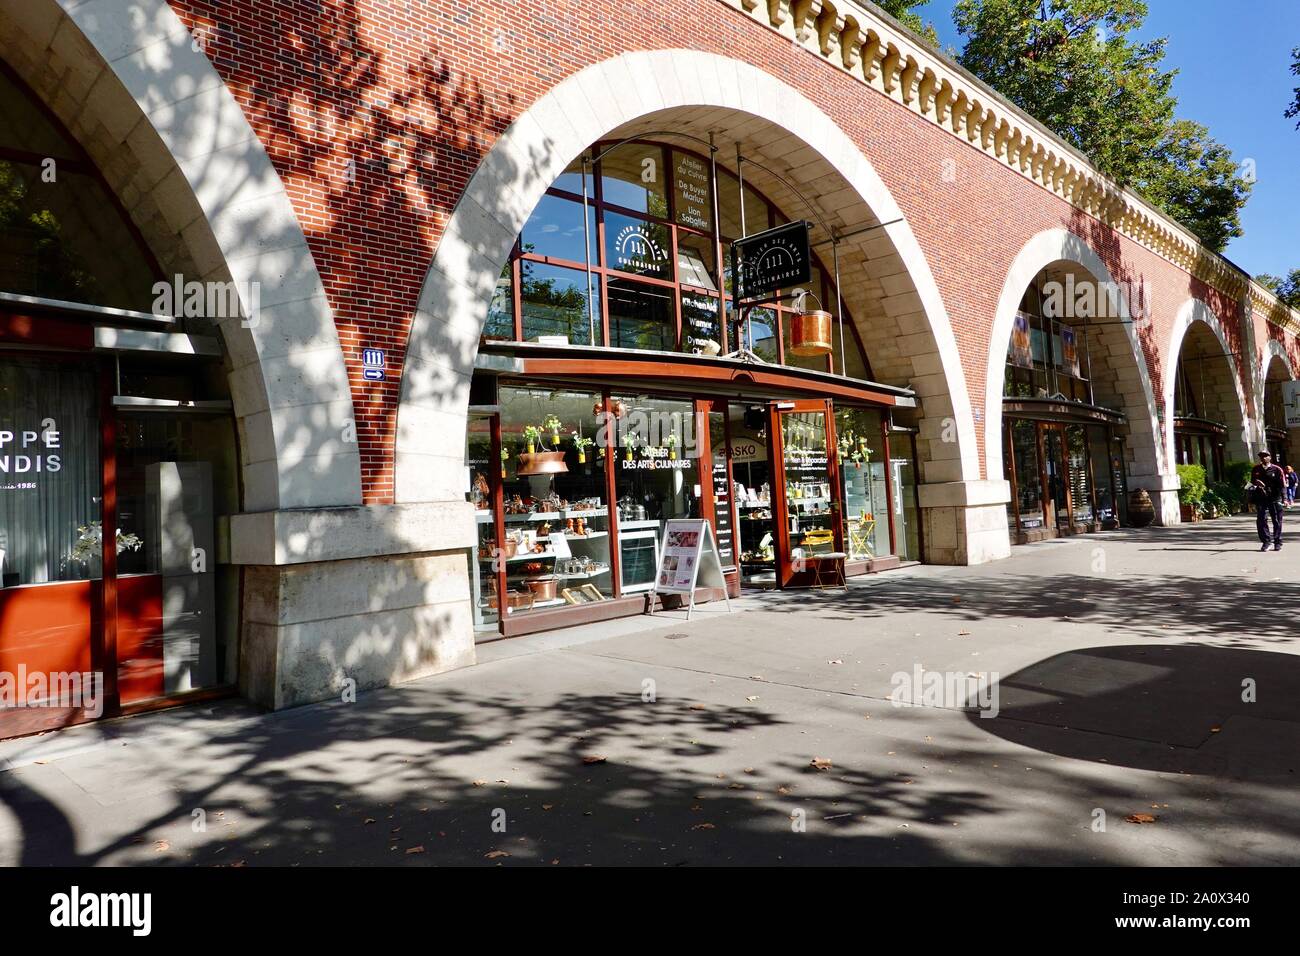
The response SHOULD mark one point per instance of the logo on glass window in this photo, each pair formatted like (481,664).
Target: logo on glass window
(636,250)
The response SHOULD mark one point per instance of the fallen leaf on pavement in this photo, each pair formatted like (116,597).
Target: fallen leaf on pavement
(495,854)
(594,758)
(415,849)
(820,763)
(1140,818)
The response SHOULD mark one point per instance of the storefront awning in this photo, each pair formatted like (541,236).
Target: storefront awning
(696,374)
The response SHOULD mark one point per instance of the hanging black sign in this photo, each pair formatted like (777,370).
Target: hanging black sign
(776,259)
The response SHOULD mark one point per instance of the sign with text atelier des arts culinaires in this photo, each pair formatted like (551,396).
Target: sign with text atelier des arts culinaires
(776,259)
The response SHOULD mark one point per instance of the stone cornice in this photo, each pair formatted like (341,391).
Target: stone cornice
(876,50)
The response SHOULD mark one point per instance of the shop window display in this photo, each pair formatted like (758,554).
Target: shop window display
(752,483)
(807,480)
(656,478)
(555,550)
(863,473)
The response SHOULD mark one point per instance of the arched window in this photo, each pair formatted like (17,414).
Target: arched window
(658,263)
(62,234)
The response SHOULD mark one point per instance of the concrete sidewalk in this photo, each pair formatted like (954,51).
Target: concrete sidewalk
(1119,662)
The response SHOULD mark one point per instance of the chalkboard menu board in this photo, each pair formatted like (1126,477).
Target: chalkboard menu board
(638,557)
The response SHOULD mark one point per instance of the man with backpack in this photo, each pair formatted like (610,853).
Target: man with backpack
(1267,490)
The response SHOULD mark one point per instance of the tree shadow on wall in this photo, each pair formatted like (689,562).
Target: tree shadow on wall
(389,141)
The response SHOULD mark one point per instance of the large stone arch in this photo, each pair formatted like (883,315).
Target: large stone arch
(916,345)
(1235,414)
(1118,342)
(1273,355)
(130,82)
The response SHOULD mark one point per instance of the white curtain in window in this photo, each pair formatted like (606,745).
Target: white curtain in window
(49,469)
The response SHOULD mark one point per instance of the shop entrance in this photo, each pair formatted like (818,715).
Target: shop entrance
(808,493)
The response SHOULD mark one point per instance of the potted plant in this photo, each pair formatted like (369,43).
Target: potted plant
(532,438)
(1191,491)
(505,457)
(88,549)
(553,425)
(582,444)
(629,442)
(671,443)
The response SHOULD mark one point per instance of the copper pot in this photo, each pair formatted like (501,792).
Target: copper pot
(519,600)
(542,463)
(810,333)
(542,588)
(510,548)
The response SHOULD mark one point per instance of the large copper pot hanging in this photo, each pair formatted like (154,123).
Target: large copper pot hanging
(810,332)
(542,463)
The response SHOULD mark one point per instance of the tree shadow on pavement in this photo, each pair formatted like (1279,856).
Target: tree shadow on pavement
(1222,712)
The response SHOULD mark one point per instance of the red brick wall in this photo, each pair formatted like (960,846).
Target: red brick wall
(376,113)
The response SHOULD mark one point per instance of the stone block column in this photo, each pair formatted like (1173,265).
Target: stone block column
(965,522)
(373,595)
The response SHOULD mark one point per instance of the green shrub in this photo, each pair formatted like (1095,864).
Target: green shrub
(1192,479)
(1237,473)
(1213,503)
(1233,496)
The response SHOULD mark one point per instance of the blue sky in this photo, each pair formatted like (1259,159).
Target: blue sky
(1232,61)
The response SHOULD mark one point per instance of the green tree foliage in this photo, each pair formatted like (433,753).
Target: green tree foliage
(1197,181)
(1073,65)
(901,10)
(1288,289)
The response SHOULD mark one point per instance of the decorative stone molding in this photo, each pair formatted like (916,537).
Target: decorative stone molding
(856,39)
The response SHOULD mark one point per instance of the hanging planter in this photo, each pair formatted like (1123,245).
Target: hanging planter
(534,462)
(671,442)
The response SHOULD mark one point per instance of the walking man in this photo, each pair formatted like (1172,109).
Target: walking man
(1268,490)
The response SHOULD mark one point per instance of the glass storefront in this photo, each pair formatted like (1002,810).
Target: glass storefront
(163,611)
(574,469)
(572,488)
(1066,478)
(114,469)
(1060,453)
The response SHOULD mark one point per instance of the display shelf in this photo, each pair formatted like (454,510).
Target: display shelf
(582,576)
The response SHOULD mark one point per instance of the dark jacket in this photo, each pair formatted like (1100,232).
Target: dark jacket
(1270,479)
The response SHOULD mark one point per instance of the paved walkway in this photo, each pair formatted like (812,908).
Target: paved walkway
(1118,659)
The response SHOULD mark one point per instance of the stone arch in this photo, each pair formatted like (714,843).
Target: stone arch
(916,346)
(128,80)
(1196,314)
(1275,355)
(1129,377)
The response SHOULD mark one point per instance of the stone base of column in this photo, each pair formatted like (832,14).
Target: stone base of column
(1163,490)
(965,522)
(351,598)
